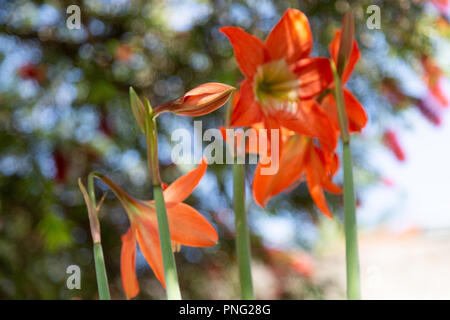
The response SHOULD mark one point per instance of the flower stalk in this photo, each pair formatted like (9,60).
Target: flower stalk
(170,269)
(350,224)
(242,233)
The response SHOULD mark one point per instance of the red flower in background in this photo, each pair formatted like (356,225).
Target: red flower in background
(390,88)
(33,71)
(124,52)
(430,112)
(387,182)
(281,79)
(391,141)
(61,166)
(105,125)
(433,78)
(442,5)
(302,263)
(299,261)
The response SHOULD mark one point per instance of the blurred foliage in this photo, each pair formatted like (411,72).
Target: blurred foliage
(64,112)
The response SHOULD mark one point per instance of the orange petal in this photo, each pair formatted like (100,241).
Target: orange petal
(128,264)
(181,188)
(248,49)
(355,112)
(291,38)
(314,176)
(290,171)
(189,227)
(331,187)
(332,165)
(312,121)
(260,140)
(357,117)
(246,110)
(261,187)
(317,195)
(148,239)
(328,104)
(314,74)
(354,55)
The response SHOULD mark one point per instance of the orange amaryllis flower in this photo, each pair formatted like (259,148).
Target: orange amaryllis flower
(199,101)
(187,226)
(300,157)
(280,76)
(357,117)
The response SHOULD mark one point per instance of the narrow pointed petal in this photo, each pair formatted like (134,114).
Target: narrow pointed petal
(128,264)
(291,38)
(315,189)
(315,175)
(312,121)
(188,227)
(357,117)
(181,188)
(314,74)
(246,111)
(148,239)
(331,187)
(261,187)
(317,194)
(248,49)
(291,168)
(332,165)
(354,55)
(356,114)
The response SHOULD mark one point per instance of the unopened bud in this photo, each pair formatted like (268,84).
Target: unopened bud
(199,101)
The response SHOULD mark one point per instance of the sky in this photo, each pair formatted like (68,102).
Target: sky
(420,196)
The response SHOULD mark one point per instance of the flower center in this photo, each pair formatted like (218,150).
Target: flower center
(276,87)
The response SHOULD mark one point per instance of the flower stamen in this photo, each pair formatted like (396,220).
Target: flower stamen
(276,87)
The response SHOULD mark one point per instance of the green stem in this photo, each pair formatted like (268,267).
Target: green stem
(100,270)
(351,231)
(350,225)
(170,269)
(242,233)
